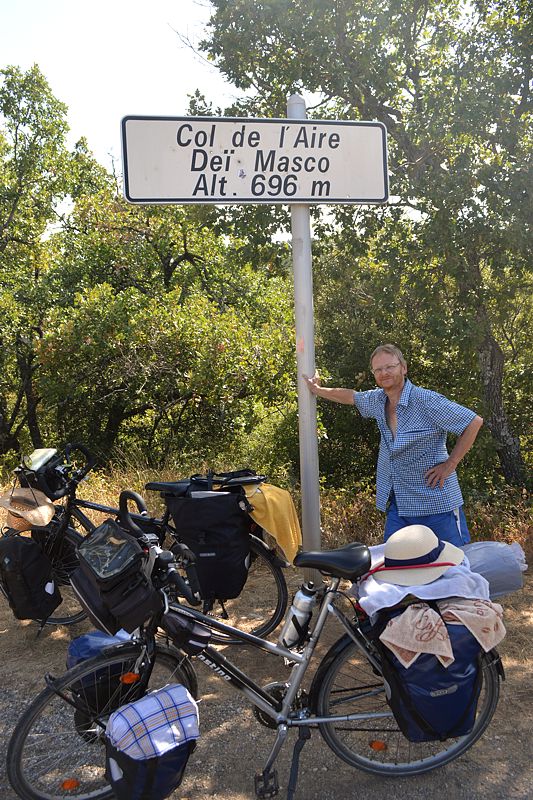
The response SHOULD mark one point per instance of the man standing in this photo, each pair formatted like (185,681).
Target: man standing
(416,482)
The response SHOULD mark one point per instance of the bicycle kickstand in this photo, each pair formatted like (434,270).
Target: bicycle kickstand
(304,735)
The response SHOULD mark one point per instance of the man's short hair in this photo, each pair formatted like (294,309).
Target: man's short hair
(392,350)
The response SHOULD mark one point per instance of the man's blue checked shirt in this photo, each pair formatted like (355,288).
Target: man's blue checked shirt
(424,420)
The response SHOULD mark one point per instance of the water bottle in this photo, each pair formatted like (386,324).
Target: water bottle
(297,622)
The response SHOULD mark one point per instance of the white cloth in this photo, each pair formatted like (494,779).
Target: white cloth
(154,724)
(483,619)
(418,630)
(456,582)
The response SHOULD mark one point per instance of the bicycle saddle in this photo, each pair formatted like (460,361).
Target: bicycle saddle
(177,488)
(350,561)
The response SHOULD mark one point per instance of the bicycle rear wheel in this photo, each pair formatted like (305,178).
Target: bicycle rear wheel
(374,743)
(261,605)
(57,751)
(60,547)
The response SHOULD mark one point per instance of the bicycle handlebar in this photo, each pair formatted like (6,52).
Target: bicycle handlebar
(182,587)
(52,494)
(90,460)
(189,589)
(70,482)
(125,516)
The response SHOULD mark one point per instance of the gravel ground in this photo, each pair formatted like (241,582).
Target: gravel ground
(233,746)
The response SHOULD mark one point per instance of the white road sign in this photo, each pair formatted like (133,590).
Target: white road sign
(238,160)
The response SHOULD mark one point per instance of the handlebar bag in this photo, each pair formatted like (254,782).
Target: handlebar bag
(26,578)
(215,526)
(431,702)
(114,562)
(148,743)
(88,593)
(46,478)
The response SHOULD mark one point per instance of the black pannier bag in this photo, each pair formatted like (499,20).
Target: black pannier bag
(216,527)
(431,702)
(26,578)
(113,580)
(151,779)
(148,743)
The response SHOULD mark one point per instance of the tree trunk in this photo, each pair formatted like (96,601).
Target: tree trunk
(110,431)
(25,359)
(8,441)
(491,361)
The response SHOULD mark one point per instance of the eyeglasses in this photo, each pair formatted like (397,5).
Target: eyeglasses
(381,370)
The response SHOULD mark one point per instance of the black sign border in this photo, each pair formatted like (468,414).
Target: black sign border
(256,201)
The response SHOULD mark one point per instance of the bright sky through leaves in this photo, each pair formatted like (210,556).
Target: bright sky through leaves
(110,58)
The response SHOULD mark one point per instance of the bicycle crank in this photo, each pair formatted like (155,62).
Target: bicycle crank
(277,691)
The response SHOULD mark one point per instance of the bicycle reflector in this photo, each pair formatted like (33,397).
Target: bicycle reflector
(378,745)
(69,784)
(130,677)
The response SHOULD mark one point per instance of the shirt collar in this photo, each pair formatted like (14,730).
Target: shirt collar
(404,397)
(406,391)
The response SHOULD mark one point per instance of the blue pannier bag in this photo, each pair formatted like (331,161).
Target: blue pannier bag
(431,702)
(90,645)
(148,744)
(101,691)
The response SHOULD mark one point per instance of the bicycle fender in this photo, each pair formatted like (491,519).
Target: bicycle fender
(324,666)
(276,559)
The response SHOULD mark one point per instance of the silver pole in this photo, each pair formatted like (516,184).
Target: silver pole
(305,357)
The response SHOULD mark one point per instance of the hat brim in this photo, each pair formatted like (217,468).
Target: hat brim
(39,513)
(450,556)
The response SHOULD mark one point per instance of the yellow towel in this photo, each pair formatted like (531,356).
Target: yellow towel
(274,510)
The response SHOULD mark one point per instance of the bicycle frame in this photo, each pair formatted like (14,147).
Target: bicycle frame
(280,711)
(75,505)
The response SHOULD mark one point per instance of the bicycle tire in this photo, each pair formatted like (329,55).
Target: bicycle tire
(64,563)
(52,744)
(349,684)
(244,611)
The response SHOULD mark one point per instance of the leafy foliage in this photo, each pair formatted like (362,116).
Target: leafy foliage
(166,334)
(452,83)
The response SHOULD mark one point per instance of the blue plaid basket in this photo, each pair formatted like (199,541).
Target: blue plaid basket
(148,744)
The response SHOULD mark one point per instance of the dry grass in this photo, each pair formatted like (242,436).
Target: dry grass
(347,515)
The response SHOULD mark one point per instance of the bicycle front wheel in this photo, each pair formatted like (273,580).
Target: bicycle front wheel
(57,750)
(261,605)
(61,547)
(373,742)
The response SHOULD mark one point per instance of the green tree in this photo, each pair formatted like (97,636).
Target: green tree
(452,83)
(33,179)
(160,374)
(38,176)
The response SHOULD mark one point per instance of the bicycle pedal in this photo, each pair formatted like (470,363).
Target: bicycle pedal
(266,785)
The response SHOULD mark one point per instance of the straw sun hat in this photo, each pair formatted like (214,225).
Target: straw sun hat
(27,508)
(414,556)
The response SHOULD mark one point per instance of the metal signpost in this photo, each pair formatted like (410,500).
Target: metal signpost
(294,161)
